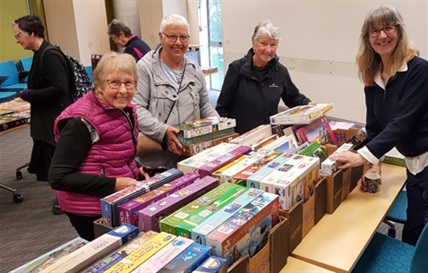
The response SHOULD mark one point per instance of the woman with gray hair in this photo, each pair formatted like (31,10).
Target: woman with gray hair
(396,83)
(122,36)
(255,83)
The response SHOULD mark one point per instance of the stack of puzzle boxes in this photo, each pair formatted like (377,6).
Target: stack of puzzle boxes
(201,134)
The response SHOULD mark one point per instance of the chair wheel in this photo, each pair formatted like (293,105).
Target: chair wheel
(391,233)
(18,198)
(18,175)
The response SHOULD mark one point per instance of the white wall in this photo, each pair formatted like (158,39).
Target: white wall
(319,43)
(78,26)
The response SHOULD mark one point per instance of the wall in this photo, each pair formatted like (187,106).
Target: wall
(152,12)
(9,11)
(319,43)
(78,26)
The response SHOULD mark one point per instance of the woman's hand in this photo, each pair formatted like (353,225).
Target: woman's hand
(375,168)
(348,159)
(143,173)
(124,182)
(174,145)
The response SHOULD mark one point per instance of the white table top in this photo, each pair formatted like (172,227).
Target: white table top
(339,239)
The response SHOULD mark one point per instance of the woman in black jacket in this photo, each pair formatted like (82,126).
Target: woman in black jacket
(255,83)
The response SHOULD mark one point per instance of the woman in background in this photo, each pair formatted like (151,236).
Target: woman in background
(255,83)
(97,140)
(396,84)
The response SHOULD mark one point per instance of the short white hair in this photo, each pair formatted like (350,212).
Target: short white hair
(174,20)
(266,27)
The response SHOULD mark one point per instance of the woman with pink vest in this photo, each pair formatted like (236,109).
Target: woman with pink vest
(96,144)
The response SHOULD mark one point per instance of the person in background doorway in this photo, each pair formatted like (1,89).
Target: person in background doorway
(171,90)
(254,84)
(396,82)
(49,92)
(122,36)
(97,142)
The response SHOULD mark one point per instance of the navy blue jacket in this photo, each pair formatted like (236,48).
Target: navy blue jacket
(252,101)
(398,116)
(136,47)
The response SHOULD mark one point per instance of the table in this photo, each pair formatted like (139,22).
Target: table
(298,266)
(339,239)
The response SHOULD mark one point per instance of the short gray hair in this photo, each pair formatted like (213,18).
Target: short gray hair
(174,20)
(266,27)
(116,27)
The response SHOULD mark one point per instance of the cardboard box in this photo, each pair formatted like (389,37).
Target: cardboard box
(247,230)
(320,199)
(51,257)
(272,257)
(188,260)
(169,223)
(334,191)
(94,250)
(308,216)
(295,216)
(212,264)
(119,254)
(356,174)
(343,135)
(110,203)
(142,253)
(346,183)
(200,232)
(164,256)
(148,217)
(100,228)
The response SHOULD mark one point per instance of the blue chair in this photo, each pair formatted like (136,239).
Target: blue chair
(24,65)
(89,71)
(397,213)
(12,84)
(385,254)
(7,96)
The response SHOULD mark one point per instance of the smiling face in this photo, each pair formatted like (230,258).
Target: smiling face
(174,49)
(117,90)
(383,39)
(264,50)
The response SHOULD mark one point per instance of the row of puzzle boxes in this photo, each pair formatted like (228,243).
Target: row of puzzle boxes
(270,258)
(246,218)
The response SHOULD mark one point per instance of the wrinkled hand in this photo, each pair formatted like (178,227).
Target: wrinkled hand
(174,145)
(376,168)
(348,159)
(124,182)
(312,103)
(24,94)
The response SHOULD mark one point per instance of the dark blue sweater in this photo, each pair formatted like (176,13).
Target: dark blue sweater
(398,116)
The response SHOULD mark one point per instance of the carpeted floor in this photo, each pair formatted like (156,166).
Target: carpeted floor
(29,229)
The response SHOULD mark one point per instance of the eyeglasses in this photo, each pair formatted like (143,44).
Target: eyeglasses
(376,31)
(173,38)
(17,35)
(115,84)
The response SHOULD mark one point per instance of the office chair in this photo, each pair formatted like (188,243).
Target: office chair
(385,254)
(397,213)
(17,198)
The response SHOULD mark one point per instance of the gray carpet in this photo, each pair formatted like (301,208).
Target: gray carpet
(28,229)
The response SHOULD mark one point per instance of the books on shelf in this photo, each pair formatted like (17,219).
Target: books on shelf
(204,126)
(303,114)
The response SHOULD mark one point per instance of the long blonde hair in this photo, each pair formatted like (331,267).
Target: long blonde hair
(368,61)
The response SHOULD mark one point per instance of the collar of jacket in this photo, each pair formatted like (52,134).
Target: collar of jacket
(247,66)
